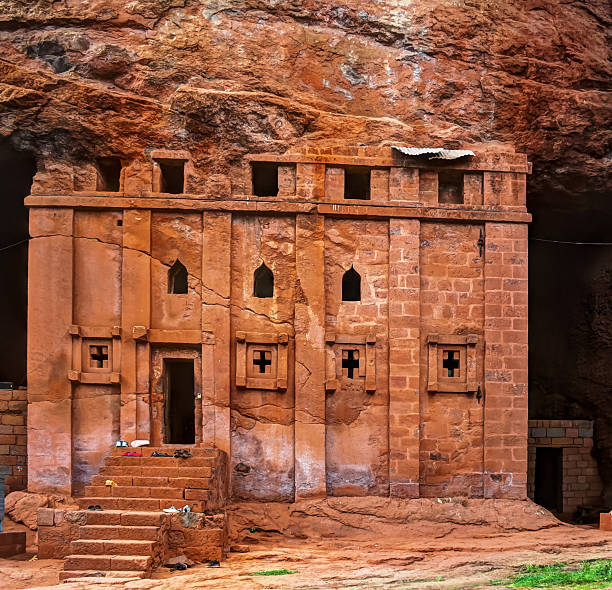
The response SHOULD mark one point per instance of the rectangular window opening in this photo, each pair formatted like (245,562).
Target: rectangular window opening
(265,179)
(109,174)
(357,182)
(450,186)
(172,176)
(180,401)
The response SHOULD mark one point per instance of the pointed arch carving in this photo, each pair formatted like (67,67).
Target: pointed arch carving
(178,278)
(263,282)
(351,285)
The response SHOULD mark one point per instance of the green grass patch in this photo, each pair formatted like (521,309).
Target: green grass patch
(589,574)
(273,573)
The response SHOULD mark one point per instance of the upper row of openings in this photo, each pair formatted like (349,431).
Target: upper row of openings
(170,175)
(352,182)
(109,174)
(450,186)
(271,178)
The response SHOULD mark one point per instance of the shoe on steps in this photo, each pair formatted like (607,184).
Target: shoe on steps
(160,454)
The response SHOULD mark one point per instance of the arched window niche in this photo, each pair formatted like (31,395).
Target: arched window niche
(351,285)
(177,278)
(263,282)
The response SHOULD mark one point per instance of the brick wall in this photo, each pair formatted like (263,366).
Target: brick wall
(581,483)
(452,302)
(505,412)
(13,414)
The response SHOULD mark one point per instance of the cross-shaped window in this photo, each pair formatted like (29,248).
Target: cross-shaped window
(450,362)
(350,362)
(264,360)
(98,356)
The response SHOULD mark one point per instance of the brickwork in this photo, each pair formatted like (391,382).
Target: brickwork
(451,303)
(505,416)
(404,357)
(13,438)
(581,484)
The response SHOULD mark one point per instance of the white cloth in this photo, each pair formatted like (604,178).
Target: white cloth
(140,443)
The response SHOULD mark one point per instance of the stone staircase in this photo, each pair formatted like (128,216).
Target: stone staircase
(127,539)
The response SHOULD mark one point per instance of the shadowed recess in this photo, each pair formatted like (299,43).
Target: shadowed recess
(177,278)
(17,170)
(351,285)
(263,282)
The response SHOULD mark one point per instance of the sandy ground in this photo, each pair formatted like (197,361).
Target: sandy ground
(459,558)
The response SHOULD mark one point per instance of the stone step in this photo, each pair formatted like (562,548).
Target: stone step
(148,451)
(154,482)
(119,461)
(114,471)
(111,547)
(117,576)
(134,492)
(103,563)
(143,504)
(109,532)
(120,517)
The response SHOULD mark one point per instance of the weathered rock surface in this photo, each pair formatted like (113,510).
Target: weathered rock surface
(433,558)
(383,517)
(223,77)
(23,506)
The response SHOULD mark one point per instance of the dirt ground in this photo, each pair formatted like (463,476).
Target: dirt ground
(459,557)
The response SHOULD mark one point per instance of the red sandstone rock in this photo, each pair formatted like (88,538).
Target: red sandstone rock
(23,506)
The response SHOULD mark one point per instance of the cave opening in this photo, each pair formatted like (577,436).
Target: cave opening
(17,170)
(570,316)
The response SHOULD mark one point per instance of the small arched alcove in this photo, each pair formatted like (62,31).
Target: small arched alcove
(351,285)
(177,278)
(263,282)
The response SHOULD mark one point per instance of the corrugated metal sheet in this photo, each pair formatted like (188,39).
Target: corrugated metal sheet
(434,153)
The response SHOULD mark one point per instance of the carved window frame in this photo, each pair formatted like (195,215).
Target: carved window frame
(466,381)
(82,338)
(333,369)
(278,344)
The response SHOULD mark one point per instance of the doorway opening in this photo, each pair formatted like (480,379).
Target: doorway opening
(549,478)
(180,402)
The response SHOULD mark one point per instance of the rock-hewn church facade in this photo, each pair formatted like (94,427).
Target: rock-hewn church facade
(338,321)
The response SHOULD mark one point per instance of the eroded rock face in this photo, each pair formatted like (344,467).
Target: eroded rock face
(23,506)
(223,77)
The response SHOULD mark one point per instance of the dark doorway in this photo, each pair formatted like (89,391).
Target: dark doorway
(17,170)
(180,405)
(549,478)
